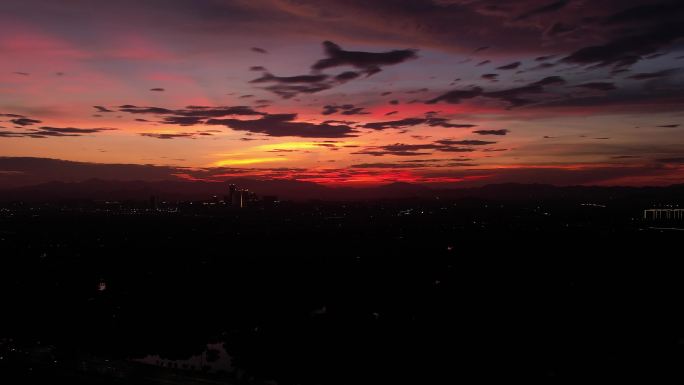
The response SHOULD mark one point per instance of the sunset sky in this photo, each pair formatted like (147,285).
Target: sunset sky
(346,92)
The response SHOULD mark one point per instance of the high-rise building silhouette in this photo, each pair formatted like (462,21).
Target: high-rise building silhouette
(238,198)
(231,193)
(154,203)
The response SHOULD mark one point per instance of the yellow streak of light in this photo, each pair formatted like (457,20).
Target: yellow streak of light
(297,145)
(240,162)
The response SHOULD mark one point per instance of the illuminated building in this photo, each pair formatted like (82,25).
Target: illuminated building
(664,214)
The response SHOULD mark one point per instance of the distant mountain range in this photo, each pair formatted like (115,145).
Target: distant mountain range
(96,189)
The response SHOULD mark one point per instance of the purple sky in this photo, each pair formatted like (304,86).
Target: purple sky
(343,92)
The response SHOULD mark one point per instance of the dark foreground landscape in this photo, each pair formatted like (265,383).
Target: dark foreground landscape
(421,291)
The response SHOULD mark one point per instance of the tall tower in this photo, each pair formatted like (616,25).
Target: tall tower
(238,199)
(231,193)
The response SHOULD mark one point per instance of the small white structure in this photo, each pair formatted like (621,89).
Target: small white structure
(664,214)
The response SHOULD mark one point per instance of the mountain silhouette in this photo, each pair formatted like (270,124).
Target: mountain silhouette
(98,189)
